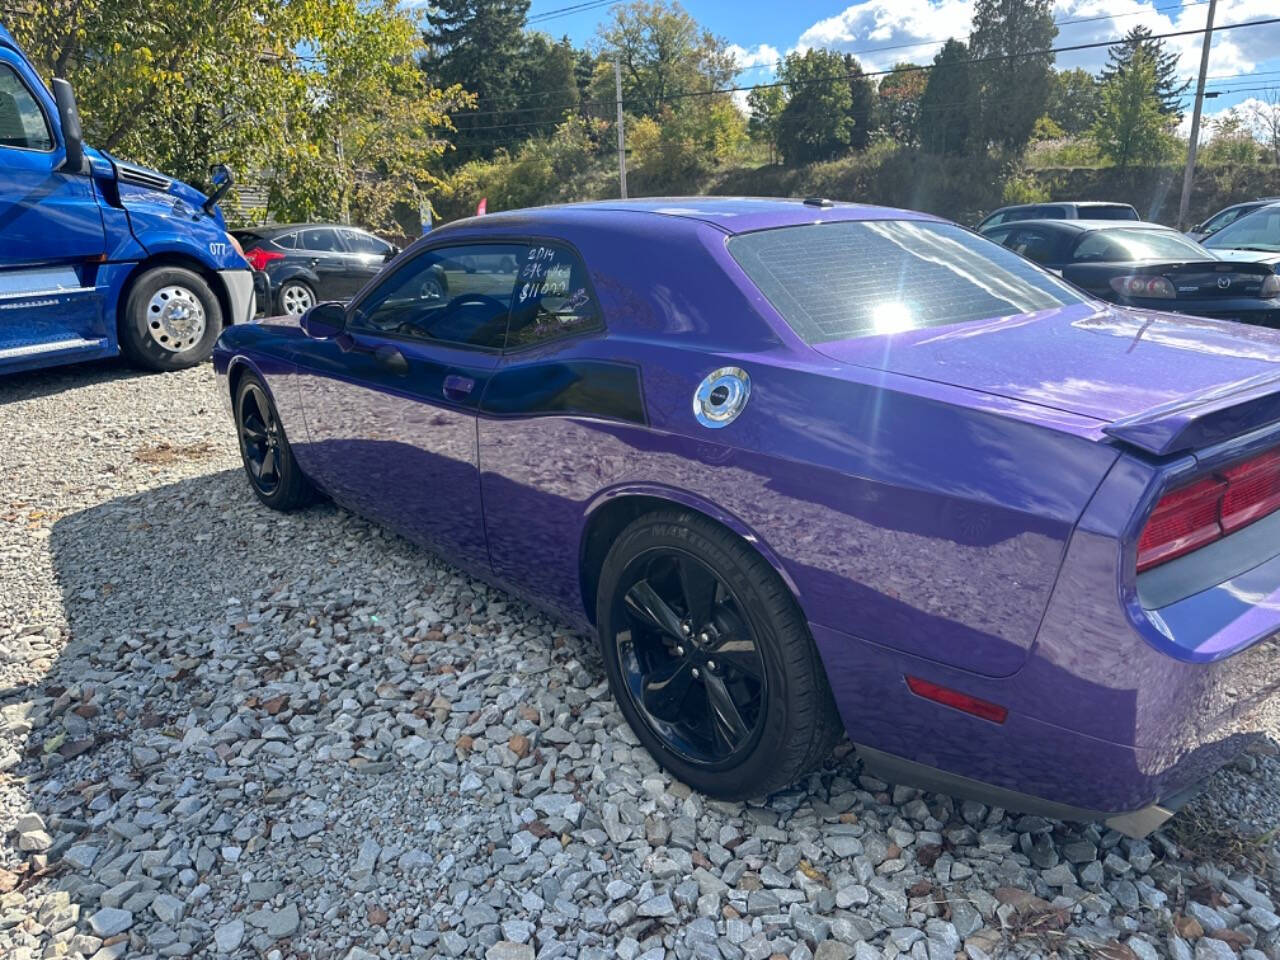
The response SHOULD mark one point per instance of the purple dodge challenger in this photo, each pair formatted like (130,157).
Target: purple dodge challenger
(808,467)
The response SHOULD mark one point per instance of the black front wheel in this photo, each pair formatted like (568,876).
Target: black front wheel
(710,659)
(264,448)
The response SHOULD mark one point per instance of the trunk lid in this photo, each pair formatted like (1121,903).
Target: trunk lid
(1112,364)
(1209,279)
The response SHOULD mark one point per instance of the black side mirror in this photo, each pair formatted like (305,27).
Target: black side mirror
(392,252)
(69,121)
(221,179)
(324,321)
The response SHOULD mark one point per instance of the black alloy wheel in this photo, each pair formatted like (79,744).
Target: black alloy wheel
(689,660)
(264,448)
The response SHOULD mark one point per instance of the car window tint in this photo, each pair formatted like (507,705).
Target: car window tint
(1047,213)
(286,241)
(457,295)
(999,236)
(322,239)
(22,122)
(1108,213)
(1130,244)
(1037,245)
(833,281)
(552,297)
(994,219)
(1259,230)
(360,242)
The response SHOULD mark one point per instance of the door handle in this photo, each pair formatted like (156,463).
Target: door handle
(458,387)
(391,358)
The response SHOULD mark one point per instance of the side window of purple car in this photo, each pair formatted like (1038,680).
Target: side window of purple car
(553,297)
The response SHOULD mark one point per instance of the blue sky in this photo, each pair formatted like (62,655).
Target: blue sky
(1244,63)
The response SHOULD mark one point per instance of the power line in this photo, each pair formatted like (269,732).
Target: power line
(571,9)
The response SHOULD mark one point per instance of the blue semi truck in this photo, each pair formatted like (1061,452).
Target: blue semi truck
(97,256)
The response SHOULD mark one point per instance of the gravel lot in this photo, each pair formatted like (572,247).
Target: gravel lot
(224,732)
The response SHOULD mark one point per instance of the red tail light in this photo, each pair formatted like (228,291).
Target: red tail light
(259,258)
(1188,518)
(1144,286)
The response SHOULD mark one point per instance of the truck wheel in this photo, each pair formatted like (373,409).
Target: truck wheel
(171,320)
(710,659)
(295,298)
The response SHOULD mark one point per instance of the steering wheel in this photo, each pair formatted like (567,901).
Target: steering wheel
(478,298)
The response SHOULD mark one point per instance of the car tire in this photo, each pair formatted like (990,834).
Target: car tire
(755,650)
(268,459)
(294,297)
(171,320)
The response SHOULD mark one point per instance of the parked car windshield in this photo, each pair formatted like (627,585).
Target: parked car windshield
(1122,245)
(833,281)
(1259,230)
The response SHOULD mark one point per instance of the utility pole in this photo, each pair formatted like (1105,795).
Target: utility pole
(622,135)
(1193,144)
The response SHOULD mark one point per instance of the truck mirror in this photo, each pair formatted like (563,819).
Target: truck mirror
(72,136)
(221,179)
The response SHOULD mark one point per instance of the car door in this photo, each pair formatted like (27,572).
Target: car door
(390,404)
(366,256)
(51,233)
(559,398)
(321,251)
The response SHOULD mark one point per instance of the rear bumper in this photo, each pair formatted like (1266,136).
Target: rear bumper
(1029,763)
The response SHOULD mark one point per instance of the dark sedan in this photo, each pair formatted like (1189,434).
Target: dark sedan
(298,265)
(1147,265)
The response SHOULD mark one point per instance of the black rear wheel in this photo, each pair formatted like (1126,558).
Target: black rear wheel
(264,448)
(709,658)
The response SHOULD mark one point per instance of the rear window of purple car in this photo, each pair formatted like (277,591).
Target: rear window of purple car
(834,281)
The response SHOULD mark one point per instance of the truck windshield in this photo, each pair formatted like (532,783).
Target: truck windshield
(833,281)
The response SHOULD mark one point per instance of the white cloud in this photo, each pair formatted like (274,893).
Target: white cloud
(883,32)
(764,56)
(1251,111)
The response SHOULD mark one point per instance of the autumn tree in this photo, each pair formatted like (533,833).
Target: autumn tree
(898,102)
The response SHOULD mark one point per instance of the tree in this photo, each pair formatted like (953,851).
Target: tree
(946,102)
(898,102)
(1073,100)
(766,105)
(817,122)
(1232,141)
(1131,130)
(478,45)
(664,54)
(1264,113)
(1013,88)
(348,127)
(547,85)
(1165,85)
(862,97)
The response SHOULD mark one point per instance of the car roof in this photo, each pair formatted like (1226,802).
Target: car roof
(272,229)
(1084,226)
(732,215)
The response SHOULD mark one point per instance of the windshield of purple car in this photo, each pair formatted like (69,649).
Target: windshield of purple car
(483,295)
(833,281)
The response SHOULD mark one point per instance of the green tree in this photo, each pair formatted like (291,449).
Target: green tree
(478,45)
(946,101)
(347,128)
(766,105)
(1131,130)
(1232,142)
(817,122)
(1167,88)
(1073,100)
(664,55)
(898,103)
(1013,88)
(548,85)
(862,99)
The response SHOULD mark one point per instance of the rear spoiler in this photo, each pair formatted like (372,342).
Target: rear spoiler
(1203,419)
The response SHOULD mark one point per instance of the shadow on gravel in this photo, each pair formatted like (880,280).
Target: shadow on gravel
(201,756)
(44,383)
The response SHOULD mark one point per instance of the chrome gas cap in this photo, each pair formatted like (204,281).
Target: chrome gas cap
(721,396)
